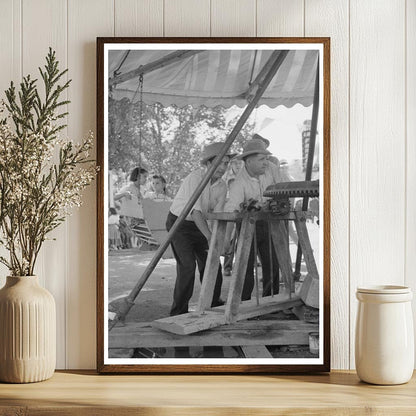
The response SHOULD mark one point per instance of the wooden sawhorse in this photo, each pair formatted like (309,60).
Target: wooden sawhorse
(235,310)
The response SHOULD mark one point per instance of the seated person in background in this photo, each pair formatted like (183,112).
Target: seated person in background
(138,178)
(133,192)
(158,192)
(128,238)
(113,230)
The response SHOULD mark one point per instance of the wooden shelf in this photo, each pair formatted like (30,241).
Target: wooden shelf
(86,393)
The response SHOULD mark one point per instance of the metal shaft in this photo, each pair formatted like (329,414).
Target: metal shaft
(311,151)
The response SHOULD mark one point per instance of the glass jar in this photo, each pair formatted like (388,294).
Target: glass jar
(384,337)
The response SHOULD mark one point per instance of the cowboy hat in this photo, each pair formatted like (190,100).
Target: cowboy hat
(254,147)
(257,136)
(212,150)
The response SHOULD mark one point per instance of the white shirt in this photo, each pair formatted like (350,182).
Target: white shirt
(246,187)
(156,197)
(113,219)
(132,188)
(211,199)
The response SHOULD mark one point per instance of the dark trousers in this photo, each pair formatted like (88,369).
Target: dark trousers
(190,248)
(263,250)
(229,257)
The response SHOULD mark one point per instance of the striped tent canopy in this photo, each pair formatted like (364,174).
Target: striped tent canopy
(214,77)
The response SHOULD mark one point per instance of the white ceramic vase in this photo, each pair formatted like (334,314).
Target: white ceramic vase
(384,337)
(27,331)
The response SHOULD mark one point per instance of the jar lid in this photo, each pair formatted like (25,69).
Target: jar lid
(384,289)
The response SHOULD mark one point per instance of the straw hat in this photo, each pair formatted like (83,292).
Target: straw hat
(254,147)
(213,150)
(257,136)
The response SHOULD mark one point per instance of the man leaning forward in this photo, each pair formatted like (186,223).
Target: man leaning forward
(190,243)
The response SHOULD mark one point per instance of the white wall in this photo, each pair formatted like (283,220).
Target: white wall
(373,132)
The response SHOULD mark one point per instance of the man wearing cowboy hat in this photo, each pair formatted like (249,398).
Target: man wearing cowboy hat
(250,183)
(190,243)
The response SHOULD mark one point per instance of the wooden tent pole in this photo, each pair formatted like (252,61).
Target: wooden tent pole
(309,165)
(160,63)
(260,76)
(129,300)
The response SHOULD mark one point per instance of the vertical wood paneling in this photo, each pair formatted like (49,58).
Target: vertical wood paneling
(86,21)
(10,44)
(331,18)
(233,18)
(44,24)
(280,18)
(138,18)
(10,66)
(411,150)
(377,153)
(187,18)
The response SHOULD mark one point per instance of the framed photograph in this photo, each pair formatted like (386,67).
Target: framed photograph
(213,205)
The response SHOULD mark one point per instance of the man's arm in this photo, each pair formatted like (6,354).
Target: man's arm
(201,223)
(236,197)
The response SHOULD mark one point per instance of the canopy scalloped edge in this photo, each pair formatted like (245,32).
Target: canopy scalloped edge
(173,100)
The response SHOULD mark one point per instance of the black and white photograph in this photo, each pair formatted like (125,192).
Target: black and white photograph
(213,213)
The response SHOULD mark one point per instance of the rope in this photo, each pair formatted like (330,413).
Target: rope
(140,89)
(252,68)
(116,71)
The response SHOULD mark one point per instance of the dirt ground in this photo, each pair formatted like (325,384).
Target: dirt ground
(155,299)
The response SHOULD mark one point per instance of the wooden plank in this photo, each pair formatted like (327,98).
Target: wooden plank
(239,270)
(309,291)
(280,242)
(331,18)
(44,25)
(138,17)
(193,322)
(256,215)
(306,313)
(250,309)
(256,351)
(216,247)
(85,393)
(411,151)
(377,147)
(86,19)
(280,18)
(305,244)
(239,333)
(187,18)
(189,323)
(233,18)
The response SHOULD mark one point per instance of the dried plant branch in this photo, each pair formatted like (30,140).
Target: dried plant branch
(41,176)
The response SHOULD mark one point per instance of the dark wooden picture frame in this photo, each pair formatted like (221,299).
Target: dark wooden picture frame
(316,284)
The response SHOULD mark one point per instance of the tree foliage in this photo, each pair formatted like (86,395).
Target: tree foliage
(172,138)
